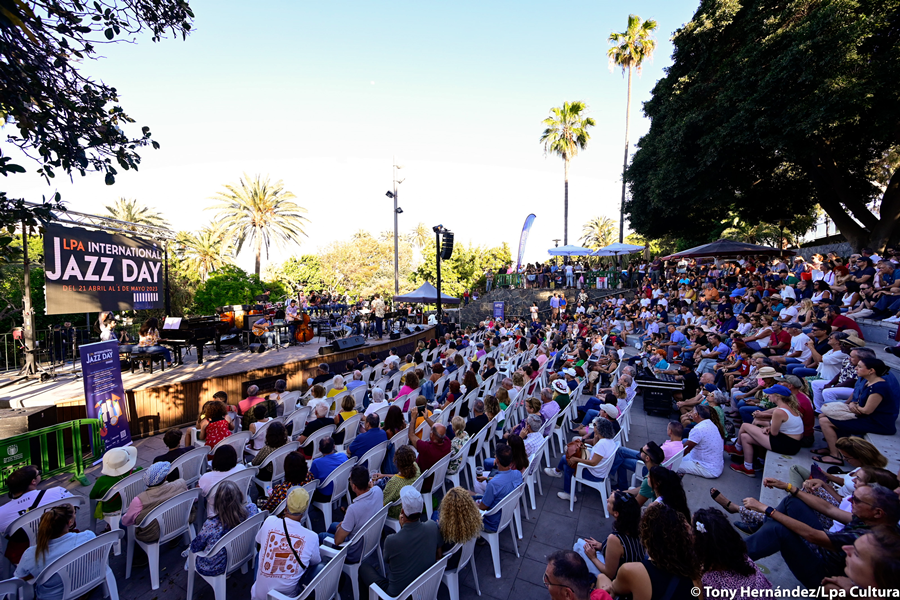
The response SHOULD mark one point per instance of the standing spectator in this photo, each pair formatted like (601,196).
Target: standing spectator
(231,510)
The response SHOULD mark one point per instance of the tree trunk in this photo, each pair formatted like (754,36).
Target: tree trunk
(258,251)
(566,204)
(625,161)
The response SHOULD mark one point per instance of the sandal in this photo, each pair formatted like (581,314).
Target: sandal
(821,452)
(715,494)
(824,460)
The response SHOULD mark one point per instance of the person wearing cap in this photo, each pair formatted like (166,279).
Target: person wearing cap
(409,552)
(118,463)
(288,551)
(158,491)
(841,386)
(839,322)
(756,400)
(607,410)
(782,436)
(480,350)
(323,374)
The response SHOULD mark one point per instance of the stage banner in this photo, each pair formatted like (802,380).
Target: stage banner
(104,394)
(523,239)
(92,271)
(499,310)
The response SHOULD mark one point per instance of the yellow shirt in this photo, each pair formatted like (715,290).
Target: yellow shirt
(419,421)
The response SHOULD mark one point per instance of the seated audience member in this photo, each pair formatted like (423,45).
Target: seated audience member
(276,437)
(323,466)
(224,463)
(632,460)
(288,551)
(323,374)
(532,407)
(670,568)
(296,472)
(478,419)
(158,491)
(621,546)
(436,447)
(371,436)
(348,411)
(722,555)
(337,387)
(567,571)
(549,407)
(459,521)
(55,538)
(873,562)
(118,463)
(356,381)
(409,552)
(212,426)
(172,440)
(230,511)
(532,435)
(460,437)
(781,436)
(407,472)
(321,420)
(498,487)
(704,447)
(675,443)
(667,488)
(261,414)
(251,400)
(810,552)
(377,402)
(367,501)
(603,448)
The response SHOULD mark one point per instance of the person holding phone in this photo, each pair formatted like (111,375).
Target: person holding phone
(437,446)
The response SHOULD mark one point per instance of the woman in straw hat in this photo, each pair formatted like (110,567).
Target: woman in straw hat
(118,463)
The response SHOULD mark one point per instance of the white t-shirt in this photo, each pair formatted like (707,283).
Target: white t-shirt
(788,314)
(604,448)
(14,509)
(788,292)
(709,448)
(832,362)
(277,568)
(569,270)
(798,344)
(645,301)
(211,478)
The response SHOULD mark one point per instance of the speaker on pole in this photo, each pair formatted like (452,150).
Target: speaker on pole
(447,245)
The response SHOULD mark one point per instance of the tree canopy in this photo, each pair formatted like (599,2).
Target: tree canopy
(770,108)
(465,268)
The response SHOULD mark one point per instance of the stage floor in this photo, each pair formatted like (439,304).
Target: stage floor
(68,387)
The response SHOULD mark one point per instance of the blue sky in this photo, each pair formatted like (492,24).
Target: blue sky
(323,95)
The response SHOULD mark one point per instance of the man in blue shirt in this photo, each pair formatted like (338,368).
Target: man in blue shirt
(499,486)
(717,353)
(676,341)
(371,437)
(322,467)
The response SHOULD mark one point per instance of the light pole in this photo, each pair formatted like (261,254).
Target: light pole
(556,245)
(397,211)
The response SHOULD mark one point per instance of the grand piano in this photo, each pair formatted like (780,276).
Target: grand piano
(180,332)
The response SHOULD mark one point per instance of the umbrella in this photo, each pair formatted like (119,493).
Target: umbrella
(724,248)
(426,294)
(617,249)
(569,250)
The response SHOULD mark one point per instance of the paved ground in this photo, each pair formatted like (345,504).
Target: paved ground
(552,527)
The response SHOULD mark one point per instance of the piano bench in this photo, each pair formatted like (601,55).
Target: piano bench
(147,358)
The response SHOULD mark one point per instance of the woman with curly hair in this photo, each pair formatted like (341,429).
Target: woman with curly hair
(407,473)
(671,569)
(667,486)
(621,546)
(296,472)
(722,554)
(459,520)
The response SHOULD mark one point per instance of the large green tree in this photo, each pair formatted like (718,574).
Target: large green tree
(629,51)
(770,108)
(262,212)
(465,268)
(599,232)
(206,250)
(133,211)
(566,133)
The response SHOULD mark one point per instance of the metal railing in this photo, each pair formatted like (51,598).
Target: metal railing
(56,449)
(559,279)
(52,348)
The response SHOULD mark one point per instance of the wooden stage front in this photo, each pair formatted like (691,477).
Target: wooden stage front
(173,397)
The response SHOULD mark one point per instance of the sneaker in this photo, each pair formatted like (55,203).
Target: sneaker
(732,449)
(566,496)
(894,319)
(552,472)
(743,471)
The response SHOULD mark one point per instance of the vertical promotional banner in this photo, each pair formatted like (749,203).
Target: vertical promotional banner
(523,239)
(499,310)
(104,394)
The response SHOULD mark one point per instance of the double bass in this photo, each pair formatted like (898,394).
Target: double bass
(303,332)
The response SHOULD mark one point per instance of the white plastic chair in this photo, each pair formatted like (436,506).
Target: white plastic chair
(374,457)
(29,523)
(478,443)
(394,524)
(533,473)
(173,517)
(325,584)
(236,440)
(672,464)
(438,473)
(624,420)
(382,412)
(297,420)
(276,460)
(508,508)
(240,478)
(127,489)
(350,427)
(401,438)
(560,432)
(463,456)
(340,478)
(289,402)
(12,589)
(190,465)
(310,488)
(601,486)
(314,438)
(369,535)
(240,548)
(451,576)
(259,435)
(84,568)
(359,394)
(425,586)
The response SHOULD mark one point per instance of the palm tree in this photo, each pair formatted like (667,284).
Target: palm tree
(598,232)
(133,211)
(206,251)
(419,236)
(261,212)
(630,49)
(565,135)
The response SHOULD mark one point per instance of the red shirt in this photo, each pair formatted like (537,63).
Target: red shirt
(841,322)
(782,337)
(248,403)
(807,413)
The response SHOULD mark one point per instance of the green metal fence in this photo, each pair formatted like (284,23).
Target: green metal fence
(590,279)
(62,448)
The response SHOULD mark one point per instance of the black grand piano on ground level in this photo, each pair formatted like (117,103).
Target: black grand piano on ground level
(197,332)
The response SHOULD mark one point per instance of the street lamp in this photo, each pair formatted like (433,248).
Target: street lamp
(397,211)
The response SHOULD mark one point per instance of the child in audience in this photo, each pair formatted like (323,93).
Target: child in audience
(260,413)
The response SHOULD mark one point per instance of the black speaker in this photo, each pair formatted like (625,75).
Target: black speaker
(447,245)
(348,343)
(406,331)
(418,328)
(395,335)
(257,348)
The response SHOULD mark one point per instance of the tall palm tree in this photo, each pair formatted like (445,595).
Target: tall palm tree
(419,236)
(630,49)
(566,133)
(599,232)
(207,250)
(133,211)
(261,212)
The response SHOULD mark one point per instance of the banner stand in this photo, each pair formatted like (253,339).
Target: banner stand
(104,392)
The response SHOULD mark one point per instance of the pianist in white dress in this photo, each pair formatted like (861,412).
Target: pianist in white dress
(149,342)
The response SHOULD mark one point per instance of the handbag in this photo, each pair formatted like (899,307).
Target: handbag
(838,411)
(574,449)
